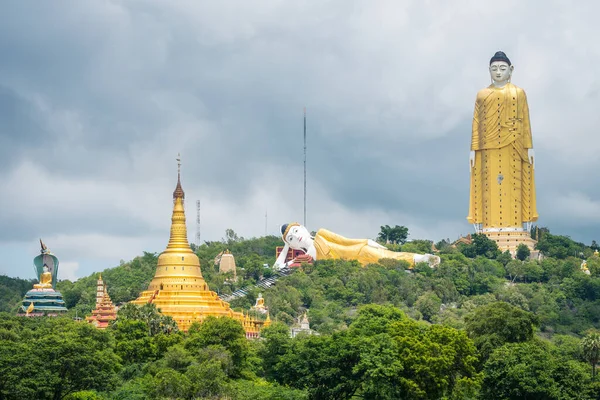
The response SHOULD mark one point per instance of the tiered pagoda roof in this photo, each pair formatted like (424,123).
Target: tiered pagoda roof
(105,311)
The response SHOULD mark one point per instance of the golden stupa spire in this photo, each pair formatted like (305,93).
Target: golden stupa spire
(178,242)
(178,190)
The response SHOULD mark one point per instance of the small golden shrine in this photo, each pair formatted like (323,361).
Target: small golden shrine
(178,288)
(105,311)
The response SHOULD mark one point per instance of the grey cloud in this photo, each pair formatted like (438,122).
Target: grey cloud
(110,92)
(109,222)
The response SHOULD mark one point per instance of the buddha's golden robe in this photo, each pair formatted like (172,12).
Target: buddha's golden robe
(330,246)
(502,179)
(45,281)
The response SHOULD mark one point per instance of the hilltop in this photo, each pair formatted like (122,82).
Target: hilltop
(481,325)
(563,298)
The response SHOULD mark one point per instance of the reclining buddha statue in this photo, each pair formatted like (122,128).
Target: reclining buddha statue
(326,245)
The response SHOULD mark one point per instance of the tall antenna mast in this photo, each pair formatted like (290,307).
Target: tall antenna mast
(304,166)
(265,222)
(198,236)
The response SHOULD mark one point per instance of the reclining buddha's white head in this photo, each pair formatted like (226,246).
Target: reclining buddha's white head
(297,236)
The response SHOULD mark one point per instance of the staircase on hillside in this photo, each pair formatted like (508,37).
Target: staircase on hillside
(263,283)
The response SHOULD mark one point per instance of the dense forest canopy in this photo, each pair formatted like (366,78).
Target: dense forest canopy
(481,325)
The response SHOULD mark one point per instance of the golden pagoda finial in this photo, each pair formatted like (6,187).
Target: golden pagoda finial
(178,193)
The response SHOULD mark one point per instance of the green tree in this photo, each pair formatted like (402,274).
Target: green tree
(428,305)
(50,358)
(155,322)
(321,365)
(259,389)
(504,258)
(515,270)
(396,235)
(231,237)
(430,362)
(417,246)
(383,355)
(207,380)
(518,371)
(443,245)
(276,342)
(169,384)
(134,345)
(224,332)
(374,319)
(560,247)
(253,266)
(529,370)
(178,358)
(590,345)
(523,252)
(567,347)
(12,291)
(491,326)
(481,245)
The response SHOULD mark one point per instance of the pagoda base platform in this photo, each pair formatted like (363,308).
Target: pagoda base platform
(511,240)
(46,302)
(189,306)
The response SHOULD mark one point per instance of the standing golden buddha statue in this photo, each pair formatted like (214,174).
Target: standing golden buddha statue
(502,201)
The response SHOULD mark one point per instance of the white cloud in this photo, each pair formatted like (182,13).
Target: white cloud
(68,270)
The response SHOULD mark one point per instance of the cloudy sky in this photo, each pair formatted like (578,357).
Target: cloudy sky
(98,97)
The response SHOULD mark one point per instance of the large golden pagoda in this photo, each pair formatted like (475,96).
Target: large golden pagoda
(178,288)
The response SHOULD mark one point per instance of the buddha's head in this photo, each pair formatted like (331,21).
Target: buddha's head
(501,69)
(297,236)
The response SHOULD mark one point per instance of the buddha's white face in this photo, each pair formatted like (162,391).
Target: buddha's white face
(500,71)
(298,237)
